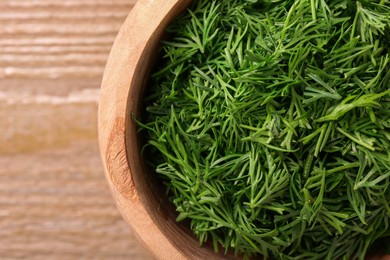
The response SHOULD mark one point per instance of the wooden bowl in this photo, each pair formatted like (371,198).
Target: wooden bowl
(138,195)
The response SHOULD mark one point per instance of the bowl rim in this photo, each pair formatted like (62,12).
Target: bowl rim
(119,74)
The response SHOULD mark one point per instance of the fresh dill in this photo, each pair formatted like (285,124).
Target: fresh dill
(269,122)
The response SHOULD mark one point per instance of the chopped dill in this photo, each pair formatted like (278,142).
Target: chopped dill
(269,122)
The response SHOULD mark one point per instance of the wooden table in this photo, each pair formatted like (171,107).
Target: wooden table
(54,202)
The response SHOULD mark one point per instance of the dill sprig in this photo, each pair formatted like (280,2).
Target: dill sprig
(269,121)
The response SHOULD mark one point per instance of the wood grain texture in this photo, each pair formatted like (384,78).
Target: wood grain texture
(58,39)
(54,200)
(54,204)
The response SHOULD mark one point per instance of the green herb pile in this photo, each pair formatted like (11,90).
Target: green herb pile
(269,122)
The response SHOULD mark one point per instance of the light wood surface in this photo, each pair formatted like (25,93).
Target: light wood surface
(54,200)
